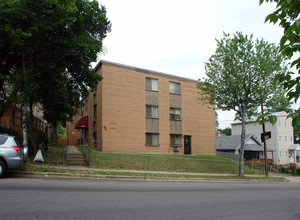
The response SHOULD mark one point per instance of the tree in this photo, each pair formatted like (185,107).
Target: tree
(277,102)
(287,13)
(226,131)
(46,50)
(239,76)
(297,133)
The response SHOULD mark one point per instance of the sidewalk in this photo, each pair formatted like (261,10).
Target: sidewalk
(206,176)
(137,171)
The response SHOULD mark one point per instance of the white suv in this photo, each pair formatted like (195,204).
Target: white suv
(12,154)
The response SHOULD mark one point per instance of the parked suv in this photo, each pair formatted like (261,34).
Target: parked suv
(12,154)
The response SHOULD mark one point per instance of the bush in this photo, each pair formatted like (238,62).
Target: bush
(284,170)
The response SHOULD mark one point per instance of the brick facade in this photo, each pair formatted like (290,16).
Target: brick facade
(120,123)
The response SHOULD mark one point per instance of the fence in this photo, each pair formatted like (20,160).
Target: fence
(169,163)
(231,156)
(12,119)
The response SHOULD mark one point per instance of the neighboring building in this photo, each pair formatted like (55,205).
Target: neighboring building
(219,134)
(12,119)
(281,135)
(138,110)
(232,144)
(294,151)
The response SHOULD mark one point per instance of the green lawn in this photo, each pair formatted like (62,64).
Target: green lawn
(54,156)
(153,162)
(177,163)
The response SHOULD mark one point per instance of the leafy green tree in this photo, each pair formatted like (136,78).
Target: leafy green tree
(276,102)
(46,50)
(287,14)
(239,77)
(226,131)
(297,133)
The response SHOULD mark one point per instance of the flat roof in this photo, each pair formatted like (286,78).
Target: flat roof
(142,70)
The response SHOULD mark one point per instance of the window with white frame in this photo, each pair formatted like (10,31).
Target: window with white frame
(175,139)
(279,138)
(151,84)
(279,153)
(175,114)
(291,138)
(152,139)
(285,138)
(151,111)
(174,88)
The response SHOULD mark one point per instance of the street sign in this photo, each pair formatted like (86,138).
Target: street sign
(266,134)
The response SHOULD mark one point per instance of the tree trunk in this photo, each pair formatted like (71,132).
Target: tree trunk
(241,158)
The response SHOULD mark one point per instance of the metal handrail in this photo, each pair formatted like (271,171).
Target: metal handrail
(64,155)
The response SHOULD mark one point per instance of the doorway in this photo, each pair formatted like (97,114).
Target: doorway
(187,144)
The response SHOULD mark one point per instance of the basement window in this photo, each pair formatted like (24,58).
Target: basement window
(152,139)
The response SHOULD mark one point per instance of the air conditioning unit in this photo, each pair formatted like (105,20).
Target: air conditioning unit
(176,148)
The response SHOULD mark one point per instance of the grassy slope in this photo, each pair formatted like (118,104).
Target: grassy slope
(178,163)
(151,162)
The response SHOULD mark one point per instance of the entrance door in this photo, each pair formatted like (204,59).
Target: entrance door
(187,144)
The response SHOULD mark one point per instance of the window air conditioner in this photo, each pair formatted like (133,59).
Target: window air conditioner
(176,148)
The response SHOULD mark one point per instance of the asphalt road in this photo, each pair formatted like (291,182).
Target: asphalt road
(49,198)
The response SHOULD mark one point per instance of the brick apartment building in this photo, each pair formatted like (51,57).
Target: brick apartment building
(138,110)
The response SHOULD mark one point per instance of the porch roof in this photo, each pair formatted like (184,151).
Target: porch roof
(294,147)
(82,123)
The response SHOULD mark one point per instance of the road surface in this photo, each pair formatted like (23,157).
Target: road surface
(49,198)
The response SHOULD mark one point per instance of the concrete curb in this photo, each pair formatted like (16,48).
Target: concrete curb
(30,174)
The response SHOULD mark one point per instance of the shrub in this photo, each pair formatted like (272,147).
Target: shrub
(284,170)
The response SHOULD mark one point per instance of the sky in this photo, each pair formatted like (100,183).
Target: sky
(177,37)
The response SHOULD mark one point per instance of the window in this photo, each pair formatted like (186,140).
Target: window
(151,111)
(291,139)
(285,138)
(95,110)
(174,88)
(151,84)
(279,153)
(95,138)
(175,114)
(86,108)
(152,139)
(286,154)
(279,138)
(175,139)
(94,98)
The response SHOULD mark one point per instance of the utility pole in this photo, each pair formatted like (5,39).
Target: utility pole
(265,142)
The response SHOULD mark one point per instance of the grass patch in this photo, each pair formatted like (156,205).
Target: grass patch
(53,156)
(169,163)
(152,162)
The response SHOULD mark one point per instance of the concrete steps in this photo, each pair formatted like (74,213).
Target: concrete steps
(74,157)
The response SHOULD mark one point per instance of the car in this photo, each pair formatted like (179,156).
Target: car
(12,154)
